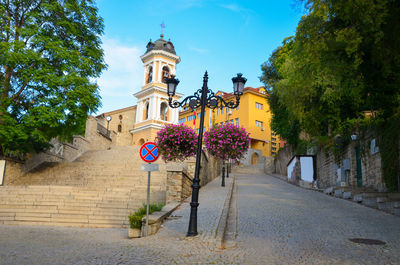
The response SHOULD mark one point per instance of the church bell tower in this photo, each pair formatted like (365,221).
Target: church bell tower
(153,112)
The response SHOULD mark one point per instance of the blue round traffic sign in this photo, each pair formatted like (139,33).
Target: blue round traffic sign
(149,152)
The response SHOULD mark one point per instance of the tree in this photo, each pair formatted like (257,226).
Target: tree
(49,54)
(283,121)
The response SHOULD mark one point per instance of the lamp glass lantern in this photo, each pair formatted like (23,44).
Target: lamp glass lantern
(238,84)
(172,83)
(108,118)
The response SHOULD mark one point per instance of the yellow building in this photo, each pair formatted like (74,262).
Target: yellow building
(253,114)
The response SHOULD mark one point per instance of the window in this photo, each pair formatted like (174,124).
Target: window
(164,111)
(231,121)
(259,105)
(262,91)
(165,73)
(119,127)
(273,153)
(237,108)
(120,117)
(182,120)
(149,75)
(217,111)
(185,108)
(146,111)
(222,110)
(259,124)
(273,148)
(273,144)
(198,115)
(273,134)
(191,118)
(237,121)
(273,139)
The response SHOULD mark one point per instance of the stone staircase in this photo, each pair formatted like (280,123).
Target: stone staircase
(99,189)
(385,201)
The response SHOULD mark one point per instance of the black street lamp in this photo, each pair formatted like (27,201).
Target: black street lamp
(203,98)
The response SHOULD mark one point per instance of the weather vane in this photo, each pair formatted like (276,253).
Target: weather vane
(162,27)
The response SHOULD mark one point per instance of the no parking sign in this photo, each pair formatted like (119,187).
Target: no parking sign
(149,152)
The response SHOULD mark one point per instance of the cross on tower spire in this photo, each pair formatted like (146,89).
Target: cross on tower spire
(162,27)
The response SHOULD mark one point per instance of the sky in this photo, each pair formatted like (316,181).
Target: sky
(221,37)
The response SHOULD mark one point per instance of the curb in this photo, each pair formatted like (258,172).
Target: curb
(222,223)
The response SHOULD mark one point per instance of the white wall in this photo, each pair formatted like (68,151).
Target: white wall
(290,168)
(307,170)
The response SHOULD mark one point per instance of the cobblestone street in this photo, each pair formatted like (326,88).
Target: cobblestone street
(278,223)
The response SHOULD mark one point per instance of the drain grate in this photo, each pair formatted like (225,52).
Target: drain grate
(367,241)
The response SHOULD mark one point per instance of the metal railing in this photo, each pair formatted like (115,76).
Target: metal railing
(103,131)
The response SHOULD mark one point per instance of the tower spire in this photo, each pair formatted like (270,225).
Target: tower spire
(162,27)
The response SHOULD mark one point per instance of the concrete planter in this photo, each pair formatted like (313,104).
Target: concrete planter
(134,232)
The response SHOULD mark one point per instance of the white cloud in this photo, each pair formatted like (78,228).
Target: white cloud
(123,76)
(233,7)
(244,12)
(196,49)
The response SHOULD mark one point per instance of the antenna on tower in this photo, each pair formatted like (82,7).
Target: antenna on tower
(162,27)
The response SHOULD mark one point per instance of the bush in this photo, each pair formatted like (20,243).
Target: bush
(135,219)
(176,142)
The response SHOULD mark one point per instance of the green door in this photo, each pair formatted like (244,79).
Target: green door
(359,172)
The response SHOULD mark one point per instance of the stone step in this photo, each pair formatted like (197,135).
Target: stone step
(387,206)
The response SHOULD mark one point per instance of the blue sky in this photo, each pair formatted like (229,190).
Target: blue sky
(222,37)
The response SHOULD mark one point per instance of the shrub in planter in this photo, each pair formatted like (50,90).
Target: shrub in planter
(135,219)
(176,142)
(227,141)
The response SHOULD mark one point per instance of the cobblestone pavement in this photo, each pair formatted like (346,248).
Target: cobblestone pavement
(277,224)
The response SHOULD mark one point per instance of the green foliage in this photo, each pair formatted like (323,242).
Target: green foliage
(283,121)
(389,150)
(344,61)
(135,219)
(49,54)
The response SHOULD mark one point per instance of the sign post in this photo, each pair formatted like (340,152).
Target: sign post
(149,153)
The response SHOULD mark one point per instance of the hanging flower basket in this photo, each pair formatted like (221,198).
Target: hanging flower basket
(227,141)
(176,142)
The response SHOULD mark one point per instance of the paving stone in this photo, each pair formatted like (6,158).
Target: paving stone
(277,223)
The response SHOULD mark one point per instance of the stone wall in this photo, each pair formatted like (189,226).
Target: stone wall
(282,159)
(269,166)
(180,176)
(179,182)
(13,171)
(331,172)
(96,140)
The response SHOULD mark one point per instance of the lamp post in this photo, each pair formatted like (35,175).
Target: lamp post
(202,98)
(108,118)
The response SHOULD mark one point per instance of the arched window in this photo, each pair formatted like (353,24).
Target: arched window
(120,117)
(119,128)
(149,75)
(165,73)
(146,111)
(164,111)
(141,141)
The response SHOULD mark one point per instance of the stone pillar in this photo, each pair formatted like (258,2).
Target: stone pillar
(178,182)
